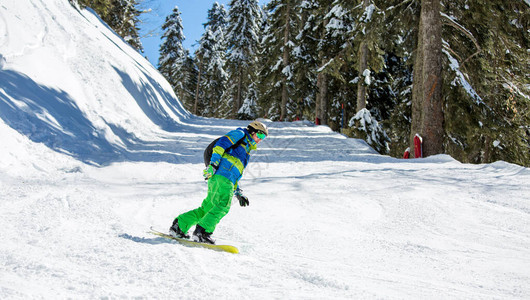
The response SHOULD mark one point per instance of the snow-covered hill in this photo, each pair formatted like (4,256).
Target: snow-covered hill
(96,149)
(69,82)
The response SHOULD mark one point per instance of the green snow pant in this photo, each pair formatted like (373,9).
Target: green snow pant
(213,208)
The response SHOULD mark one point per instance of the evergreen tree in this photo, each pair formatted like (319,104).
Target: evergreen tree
(393,99)
(226,107)
(370,130)
(487,105)
(188,82)
(336,74)
(243,39)
(173,56)
(326,51)
(210,58)
(399,42)
(120,15)
(101,7)
(305,61)
(318,55)
(249,108)
(124,20)
(279,42)
(217,18)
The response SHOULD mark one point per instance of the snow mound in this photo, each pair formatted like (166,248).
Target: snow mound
(69,82)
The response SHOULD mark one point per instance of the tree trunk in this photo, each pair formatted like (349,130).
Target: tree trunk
(300,113)
(317,101)
(237,100)
(195,106)
(322,85)
(323,91)
(361,85)
(285,95)
(363,65)
(427,113)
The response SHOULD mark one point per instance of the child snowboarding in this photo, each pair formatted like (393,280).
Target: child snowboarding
(230,156)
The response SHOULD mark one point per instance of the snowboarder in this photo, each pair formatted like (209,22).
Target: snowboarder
(223,174)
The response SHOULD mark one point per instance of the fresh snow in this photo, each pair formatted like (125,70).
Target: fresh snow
(96,149)
(367,78)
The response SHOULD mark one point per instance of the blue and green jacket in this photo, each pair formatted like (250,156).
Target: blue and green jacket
(231,163)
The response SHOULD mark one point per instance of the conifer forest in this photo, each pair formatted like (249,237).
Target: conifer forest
(456,72)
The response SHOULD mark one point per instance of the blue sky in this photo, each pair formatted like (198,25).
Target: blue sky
(193,14)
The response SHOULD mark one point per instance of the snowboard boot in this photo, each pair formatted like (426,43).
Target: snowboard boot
(201,236)
(175,230)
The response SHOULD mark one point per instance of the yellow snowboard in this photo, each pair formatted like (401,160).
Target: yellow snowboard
(190,243)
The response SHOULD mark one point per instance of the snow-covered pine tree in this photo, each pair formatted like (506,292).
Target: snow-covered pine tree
(172,53)
(249,109)
(226,106)
(200,56)
(325,52)
(331,21)
(211,59)
(366,42)
(267,102)
(120,15)
(390,97)
(217,18)
(304,60)
(124,20)
(277,76)
(486,80)
(391,92)
(242,38)
(367,128)
(336,73)
(189,74)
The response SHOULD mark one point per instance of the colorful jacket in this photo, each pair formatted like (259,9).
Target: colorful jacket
(231,163)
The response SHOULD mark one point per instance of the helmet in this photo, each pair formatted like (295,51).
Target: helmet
(256,126)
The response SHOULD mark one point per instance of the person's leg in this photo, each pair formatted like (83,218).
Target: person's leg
(192,217)
(220,201)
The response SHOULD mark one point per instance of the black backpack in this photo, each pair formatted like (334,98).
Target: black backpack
(209,150)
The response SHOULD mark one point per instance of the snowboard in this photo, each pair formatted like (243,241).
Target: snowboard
(190,243)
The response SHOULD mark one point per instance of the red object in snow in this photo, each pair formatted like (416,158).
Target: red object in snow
(418,149)
(406,154)
(317,121)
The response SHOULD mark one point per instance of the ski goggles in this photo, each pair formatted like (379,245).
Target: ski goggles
(261,135)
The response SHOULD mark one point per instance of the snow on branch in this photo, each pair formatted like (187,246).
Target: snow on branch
(452,22)
(373,132)
(460,79)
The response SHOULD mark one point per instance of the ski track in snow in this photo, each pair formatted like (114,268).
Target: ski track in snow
(97,150)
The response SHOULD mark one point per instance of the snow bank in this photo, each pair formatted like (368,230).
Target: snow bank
(69,82)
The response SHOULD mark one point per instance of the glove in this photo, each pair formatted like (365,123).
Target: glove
(208,172)
(243,200)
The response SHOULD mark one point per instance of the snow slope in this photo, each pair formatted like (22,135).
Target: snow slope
(69,82)
(96,149)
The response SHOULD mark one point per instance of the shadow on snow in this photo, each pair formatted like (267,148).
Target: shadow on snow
(50,116)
